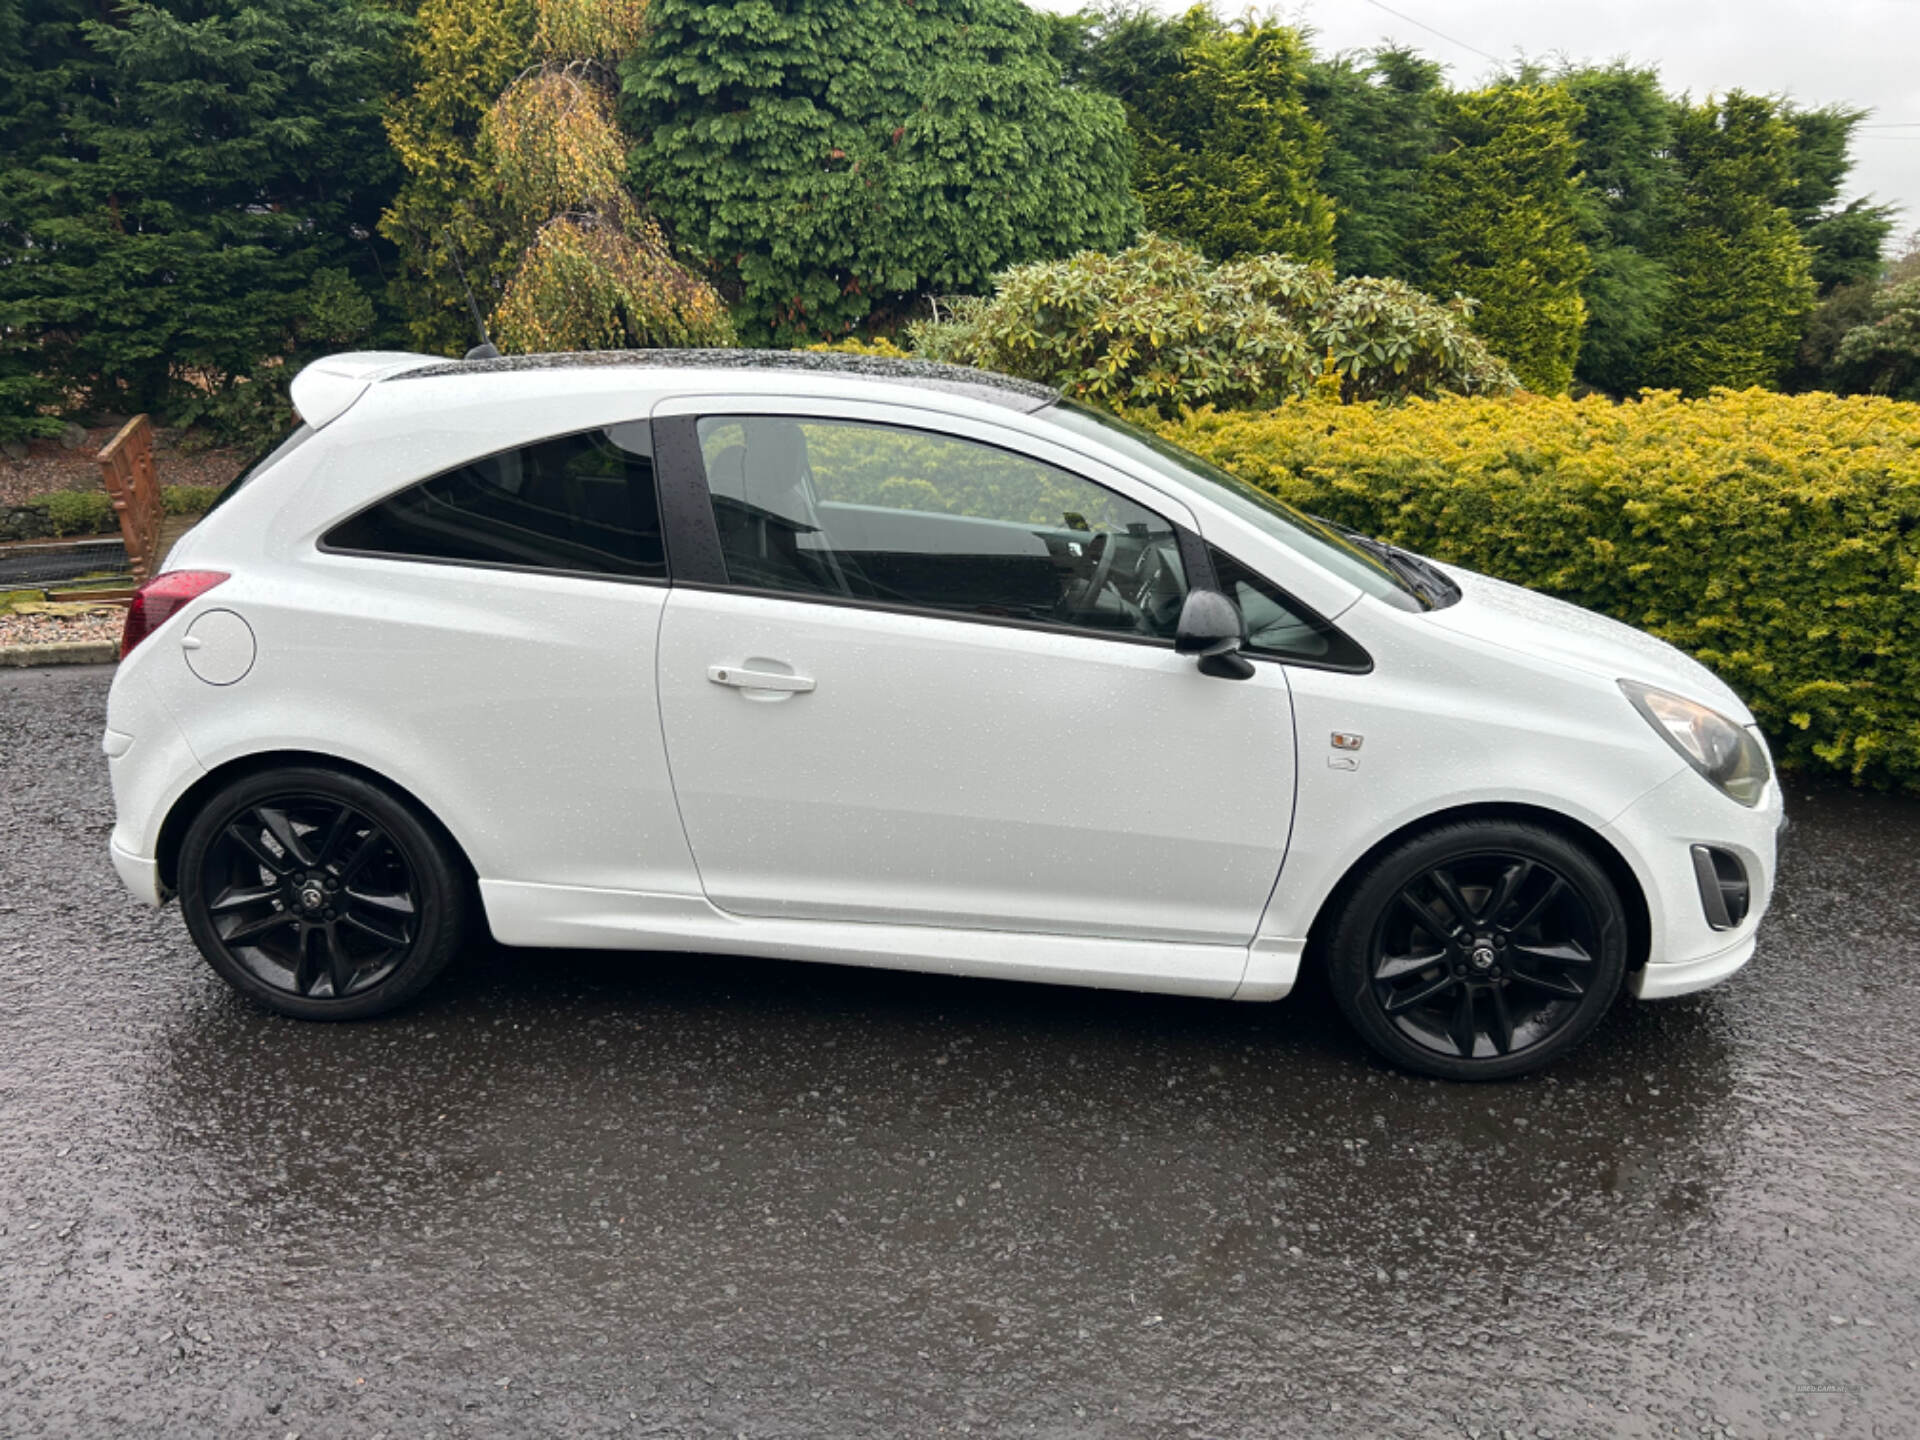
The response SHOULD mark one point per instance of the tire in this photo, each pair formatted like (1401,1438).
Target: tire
(320,894)
(1479,950)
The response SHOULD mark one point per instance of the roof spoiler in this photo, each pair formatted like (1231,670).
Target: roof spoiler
(327,388)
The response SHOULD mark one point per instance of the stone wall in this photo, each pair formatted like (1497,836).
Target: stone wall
(26,522)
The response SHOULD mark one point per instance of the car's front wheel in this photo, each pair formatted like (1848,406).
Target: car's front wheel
(320,894)
(1479,950)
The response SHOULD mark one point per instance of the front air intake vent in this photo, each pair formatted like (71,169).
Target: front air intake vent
(1724,892)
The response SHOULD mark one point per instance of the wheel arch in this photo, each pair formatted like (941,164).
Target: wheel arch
(180,816)
(1605,853)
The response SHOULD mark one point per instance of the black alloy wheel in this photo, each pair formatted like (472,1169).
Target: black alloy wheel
(1480,951)
(319,893)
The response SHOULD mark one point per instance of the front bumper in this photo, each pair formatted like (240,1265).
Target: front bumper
(1656,835)
(1659,982)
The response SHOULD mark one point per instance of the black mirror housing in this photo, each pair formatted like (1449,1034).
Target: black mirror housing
(1210,624)
(1211,628)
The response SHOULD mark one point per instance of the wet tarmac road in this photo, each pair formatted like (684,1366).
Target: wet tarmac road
(591,1195)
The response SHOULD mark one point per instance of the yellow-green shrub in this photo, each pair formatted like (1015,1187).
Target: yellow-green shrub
(1775,537)
(880,345)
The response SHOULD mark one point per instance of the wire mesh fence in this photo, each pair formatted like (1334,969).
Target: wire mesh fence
(37,564)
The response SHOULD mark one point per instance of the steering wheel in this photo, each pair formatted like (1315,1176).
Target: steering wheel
(1146,578)
(1103,551)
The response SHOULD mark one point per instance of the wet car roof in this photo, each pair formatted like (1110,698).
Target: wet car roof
(986,385)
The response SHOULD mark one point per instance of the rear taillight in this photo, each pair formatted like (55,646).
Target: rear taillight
(155,602)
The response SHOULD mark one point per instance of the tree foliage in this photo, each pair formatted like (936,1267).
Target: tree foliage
(187,197)
(1835,315)
(1845,245)
(566,258)
(602,286)
(1159,326)
(1625,131)
(833,158)
(447,216)
(1881,355)
(46,67)
(1844,242)
(549,145)
(1882,358)
(197,195)
(589,29)
(1742,282)
(1381,115)
(1506,218)
(1227,154)
(1382,148)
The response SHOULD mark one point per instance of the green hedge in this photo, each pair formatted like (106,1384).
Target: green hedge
(77,512)
(90,512)
(190,499)
(1775,537)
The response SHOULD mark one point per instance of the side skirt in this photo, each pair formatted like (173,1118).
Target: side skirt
(570,917)
(1273,964)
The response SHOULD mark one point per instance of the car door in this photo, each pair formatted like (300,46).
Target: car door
(915,669)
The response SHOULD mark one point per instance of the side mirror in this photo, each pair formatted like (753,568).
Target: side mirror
(1211,628)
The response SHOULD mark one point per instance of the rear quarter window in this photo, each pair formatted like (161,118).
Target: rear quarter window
(583,504)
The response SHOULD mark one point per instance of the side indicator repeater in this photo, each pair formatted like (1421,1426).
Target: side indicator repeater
(1343,741)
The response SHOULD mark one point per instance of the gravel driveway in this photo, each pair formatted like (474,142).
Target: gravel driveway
(586,1195)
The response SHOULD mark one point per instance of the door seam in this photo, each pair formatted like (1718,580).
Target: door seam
(666,749)
(1293,820)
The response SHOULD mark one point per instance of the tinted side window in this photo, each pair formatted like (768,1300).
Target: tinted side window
(581,502)
(1278,626)
(911,518)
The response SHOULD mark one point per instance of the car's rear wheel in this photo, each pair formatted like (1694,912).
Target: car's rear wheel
(1479,950)
(320,894)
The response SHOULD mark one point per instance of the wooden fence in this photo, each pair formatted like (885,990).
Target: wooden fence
(126,463)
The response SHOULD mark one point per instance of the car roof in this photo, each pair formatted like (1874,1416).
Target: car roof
(328,387)
(1023,396)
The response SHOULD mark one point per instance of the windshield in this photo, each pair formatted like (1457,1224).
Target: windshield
(1272,516)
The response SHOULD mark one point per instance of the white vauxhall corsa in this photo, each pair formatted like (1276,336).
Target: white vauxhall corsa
(889,663)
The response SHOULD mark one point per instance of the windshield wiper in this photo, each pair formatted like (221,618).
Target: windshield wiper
(1420,575)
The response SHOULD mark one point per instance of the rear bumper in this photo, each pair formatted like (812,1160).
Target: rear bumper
(139,873)
(150,766)
(1658,982)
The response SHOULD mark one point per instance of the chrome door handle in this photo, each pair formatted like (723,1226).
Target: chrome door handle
(758,679)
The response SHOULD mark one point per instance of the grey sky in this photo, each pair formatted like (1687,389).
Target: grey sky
(1861,52)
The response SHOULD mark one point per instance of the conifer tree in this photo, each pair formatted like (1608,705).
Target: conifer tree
(1228,157)
(1506,217)
(46,70)
(1625,131)
(1844,242)
(188,190)
(1380,112)
(1742,282)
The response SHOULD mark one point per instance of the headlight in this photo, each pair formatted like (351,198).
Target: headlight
(1720,749)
